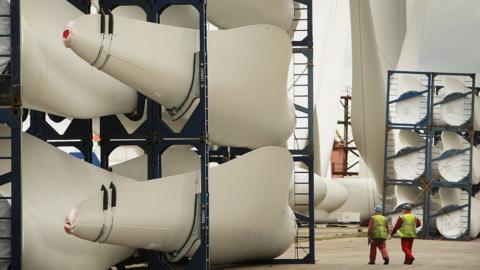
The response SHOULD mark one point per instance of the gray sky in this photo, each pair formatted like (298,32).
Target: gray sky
(451,39)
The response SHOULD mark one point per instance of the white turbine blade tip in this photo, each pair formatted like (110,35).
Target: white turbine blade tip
(69,34)
(70,221)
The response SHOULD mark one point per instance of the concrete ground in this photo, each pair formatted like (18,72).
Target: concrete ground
(346,248)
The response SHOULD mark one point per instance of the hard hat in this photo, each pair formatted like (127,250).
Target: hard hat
(407,207)
(378,208)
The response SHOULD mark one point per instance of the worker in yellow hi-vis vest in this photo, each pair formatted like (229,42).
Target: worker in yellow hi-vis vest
(377,235)
(407,224)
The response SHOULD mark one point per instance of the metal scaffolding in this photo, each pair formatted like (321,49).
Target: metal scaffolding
(345,145)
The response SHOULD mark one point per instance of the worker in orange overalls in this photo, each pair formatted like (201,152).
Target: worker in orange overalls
(407,224)
(377,235)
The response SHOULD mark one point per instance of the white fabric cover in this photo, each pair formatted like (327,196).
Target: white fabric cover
(180,159)
(362,198)
(175,160)
(228,14)
(407,194)
(409,167)
(453,225)
(455,168)
(261,102)
(50,73)
(258,192)
(457,112)
(412,110)
(53,182)
(336,196)
(224,14)
(410,55)
(368,91)
(247,197)
(300,187)
(330,39)
(390,23)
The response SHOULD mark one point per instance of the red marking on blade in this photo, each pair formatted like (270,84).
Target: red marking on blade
(66,33)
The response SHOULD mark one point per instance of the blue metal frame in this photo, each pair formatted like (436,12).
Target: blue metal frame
(422,125)
(305,155)
(429,130)
(154,136)
(152,132)
(78,134)
(82,5)
(448,209)
(307,41)
(12,118)
(11,115)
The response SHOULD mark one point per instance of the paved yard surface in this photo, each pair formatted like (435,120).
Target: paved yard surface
(350,251)
(346,248)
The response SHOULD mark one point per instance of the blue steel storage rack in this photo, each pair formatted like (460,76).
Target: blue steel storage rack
(302,96)
(78,134)
(154,136)
(302,151)
(152,133)
(429,181)
(11,115)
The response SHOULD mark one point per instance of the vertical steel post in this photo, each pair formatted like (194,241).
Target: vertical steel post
(16,186)
(311,176)
(201,260)
(345,137)
(16,138)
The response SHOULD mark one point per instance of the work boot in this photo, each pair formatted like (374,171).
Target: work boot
(386,260)
(409,261)
(371,262)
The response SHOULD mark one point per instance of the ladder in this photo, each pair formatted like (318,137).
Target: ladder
(300,144)
(10,204)
(300,96)
(300,202)
(5,215)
